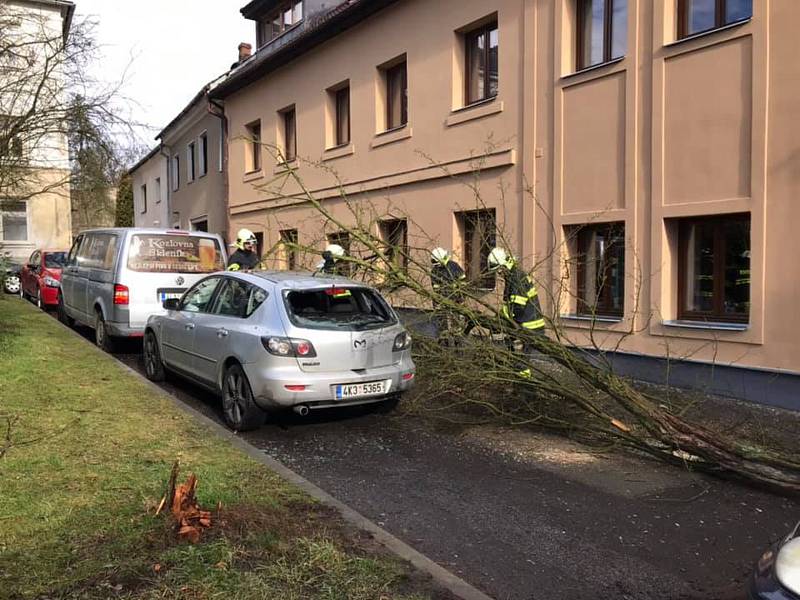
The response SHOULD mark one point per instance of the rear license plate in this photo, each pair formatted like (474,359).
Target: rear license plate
(167,295)
(361,390)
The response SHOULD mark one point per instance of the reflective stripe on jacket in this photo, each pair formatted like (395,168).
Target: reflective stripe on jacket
(521,300)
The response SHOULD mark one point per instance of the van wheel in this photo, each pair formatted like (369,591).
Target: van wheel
(62,313)
(153,365)
(238,407)
(101,337)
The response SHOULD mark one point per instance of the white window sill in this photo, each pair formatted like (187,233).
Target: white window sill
(391,136)
(338,152)
(590,318)
(710,325)
(477,110)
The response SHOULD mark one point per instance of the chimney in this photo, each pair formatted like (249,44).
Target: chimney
(245,50)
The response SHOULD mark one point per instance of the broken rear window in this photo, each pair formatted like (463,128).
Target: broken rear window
(349,309)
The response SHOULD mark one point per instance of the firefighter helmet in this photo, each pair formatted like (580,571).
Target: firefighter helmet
(499,258)
(245,236)
(439,255)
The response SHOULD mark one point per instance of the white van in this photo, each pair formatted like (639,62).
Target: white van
(115,278)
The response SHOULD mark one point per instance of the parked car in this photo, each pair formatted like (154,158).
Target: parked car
(114,279)
(11,284)
(41,276)
(275,340)
(777,574)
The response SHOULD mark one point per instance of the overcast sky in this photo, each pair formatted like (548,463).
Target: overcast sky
(173,48)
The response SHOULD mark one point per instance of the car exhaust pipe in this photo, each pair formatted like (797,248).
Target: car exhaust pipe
(302,410)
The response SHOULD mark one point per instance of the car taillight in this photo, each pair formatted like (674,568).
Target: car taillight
(295,388)
(281,346)
(121,294)
(402,342)
(408,376)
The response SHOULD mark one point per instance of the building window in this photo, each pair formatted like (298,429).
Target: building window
(396,96)
(394,233)
(253,150)
(601,270)
(482,63)
(342,101)
(342,239)
(176,173)
(200,225)
(278,21)
(203,153)
(479,231)
(289,119)
(143,194)
(158,189)
(10,141)
(714,269)
(289,240)
(14,221)
(221,148)
(191,172)
(602,31)
(699,16)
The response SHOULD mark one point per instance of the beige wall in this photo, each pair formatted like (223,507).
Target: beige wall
(204,198)
(675,129)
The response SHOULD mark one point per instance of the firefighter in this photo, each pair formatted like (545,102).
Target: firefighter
(245,257)
(447,279)
(330,258)
(520,298)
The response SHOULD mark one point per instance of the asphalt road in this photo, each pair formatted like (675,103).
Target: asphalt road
(528,526)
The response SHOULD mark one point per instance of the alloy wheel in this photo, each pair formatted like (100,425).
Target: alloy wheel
(12,284)
(234,397)
(150,356)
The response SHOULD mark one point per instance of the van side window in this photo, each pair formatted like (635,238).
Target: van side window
(99,251)
(238,299)
(198,298)
(73,252)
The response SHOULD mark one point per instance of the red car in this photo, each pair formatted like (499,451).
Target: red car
(41,276)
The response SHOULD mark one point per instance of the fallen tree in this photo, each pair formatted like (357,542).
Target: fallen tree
(567,389)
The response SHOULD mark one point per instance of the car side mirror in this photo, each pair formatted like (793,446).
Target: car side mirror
(171,303)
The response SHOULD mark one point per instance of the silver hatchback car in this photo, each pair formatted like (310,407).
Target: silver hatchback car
(283,339)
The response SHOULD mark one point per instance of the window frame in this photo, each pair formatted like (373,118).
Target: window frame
(343,239)
(717,314)
(158,190)
(191,162)
(17,211)
(202,154)
(289,118)
(484,30)
(388,229)
(399,70)
(720,8)
(604,308)
(339,109)
(143,194)
(176,172)
(265,31)
(253,158)
(289,236)
(608,34)
(478,275)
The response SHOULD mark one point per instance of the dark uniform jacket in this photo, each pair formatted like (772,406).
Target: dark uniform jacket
(242,260)
(446,279)
(521,300)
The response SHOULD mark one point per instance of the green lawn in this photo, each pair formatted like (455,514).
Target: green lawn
(87,459)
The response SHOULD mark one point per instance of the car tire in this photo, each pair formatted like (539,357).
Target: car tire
(101,337)
(62,312)
(238,406)
(12,284)
(153,365)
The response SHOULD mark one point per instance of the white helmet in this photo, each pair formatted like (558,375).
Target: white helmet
(245,236)
(335,249)
(439,255)
(498,257)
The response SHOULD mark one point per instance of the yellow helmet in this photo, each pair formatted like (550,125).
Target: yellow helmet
(245,236)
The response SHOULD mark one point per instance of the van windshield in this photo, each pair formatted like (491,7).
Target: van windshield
(349,309)
(165,253)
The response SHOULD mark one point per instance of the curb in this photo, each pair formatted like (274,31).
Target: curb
(444,578)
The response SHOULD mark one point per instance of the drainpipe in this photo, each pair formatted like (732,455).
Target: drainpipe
(217,109)
(162,147)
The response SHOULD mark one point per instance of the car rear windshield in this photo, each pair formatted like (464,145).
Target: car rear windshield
(164,253)
(350,309)
(55,260)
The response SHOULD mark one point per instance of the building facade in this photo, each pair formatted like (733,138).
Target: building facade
(150,183)
(34,157)
(641,155)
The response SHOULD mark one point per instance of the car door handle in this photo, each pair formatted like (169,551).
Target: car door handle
(222,332)
(189,326)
